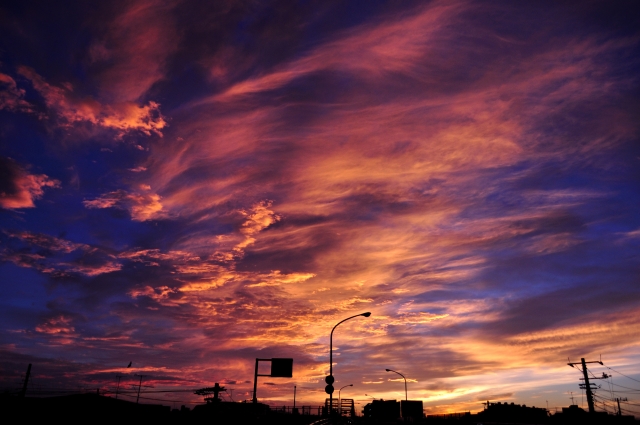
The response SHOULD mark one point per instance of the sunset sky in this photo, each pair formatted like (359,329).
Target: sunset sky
(190,185)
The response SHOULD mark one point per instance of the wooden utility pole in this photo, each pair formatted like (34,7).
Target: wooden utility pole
(139,386)
(26,380)
(118,385)
(619,400)
(587,385)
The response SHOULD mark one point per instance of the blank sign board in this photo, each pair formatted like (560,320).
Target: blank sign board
(282,368)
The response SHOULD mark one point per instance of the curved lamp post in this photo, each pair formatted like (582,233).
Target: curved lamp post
(329,380)
(405,382)
(340,398)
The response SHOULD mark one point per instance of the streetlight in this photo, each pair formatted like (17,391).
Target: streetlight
(340,398)
(405,382)
(329,379)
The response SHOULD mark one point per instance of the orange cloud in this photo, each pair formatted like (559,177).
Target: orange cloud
(18,188)
(122,117)
(141,206)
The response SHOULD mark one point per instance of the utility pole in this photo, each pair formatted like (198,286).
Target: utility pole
(118,385)
(587,385)
(619,400)
(26,380)
(139,386)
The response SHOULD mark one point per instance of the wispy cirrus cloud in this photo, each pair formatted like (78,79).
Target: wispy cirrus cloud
(463,174)
(131,53)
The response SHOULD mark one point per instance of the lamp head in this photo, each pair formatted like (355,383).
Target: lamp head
(351,385)
(388,370)
(367,314)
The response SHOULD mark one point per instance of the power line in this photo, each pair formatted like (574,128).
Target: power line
(629,411)
(156,399)
(603,407)
(628,388)
(152,391)
(604,398)
(633,379)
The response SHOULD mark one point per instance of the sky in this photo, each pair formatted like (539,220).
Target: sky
(189,186)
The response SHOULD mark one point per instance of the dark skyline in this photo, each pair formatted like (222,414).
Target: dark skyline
(191,185)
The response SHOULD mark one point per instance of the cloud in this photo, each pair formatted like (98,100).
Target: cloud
(12,97)
(163,295)
(47,242)
(57,325)
(451,168)
(18,188)
(371,50)
(69,109)
(131,53)
(141,206)
(257,219)
(56,257)
(276,278)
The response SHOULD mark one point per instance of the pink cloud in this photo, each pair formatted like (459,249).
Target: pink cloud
(47,242)
(18,188)
(57,256)
(141,206)
(57,325)
(385,197)
(123,117)
(135,45)
(12,97)
(372,50)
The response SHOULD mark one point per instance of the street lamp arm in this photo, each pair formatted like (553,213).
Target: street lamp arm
(405,381)
(390,370)
(367,314)
(329,382)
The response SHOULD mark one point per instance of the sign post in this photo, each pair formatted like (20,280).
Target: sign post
(280,368)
